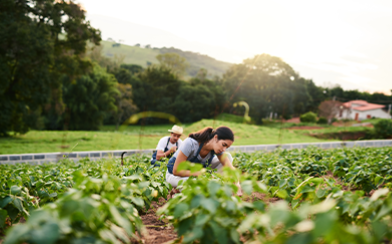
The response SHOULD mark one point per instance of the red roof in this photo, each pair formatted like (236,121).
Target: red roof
(363,105)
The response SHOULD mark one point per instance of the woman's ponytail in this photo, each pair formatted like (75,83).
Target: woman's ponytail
(203,135)
(206,134)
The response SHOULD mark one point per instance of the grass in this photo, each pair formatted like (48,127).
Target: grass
(136,137)
(253,134)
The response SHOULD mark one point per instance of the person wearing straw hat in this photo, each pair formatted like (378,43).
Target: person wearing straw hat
(167,145)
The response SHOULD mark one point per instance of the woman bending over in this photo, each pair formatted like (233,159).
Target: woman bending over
(206,147)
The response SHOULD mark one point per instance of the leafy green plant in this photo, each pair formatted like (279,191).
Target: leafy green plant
(383,128)
(95,211)
(206,210)
(322,120)
(308,117)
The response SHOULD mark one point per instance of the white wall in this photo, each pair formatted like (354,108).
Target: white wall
(377,113)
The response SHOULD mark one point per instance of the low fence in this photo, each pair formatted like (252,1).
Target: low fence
(40,158)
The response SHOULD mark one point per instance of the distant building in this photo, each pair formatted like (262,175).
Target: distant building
(360,110)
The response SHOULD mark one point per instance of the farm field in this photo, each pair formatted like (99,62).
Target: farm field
(298,196)
(137,137)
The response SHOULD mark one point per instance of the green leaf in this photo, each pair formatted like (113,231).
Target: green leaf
(3,216)
(220,233)
(196,167)
(379,229)
(324,223)
(15,190)
(259,205)
(282,183)
(228,190)
(120,220)
(15,236)
(12,211)
(247,187)
(378,178)
(184,166)
(201,219)
(45,234)
(307,189)
(302,238)
(331,182)
(282,194)
(213,187)
(196,201)
(180,209)
(5,201)
(234,235)
(108,236)
(18,204)
(138,201)
(195,234)
(382,212)
(210,205)
(185,226)
(321,193)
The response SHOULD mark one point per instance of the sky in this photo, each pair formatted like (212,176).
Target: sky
(346,42)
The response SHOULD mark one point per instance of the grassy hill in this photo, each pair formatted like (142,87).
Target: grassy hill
(141,56)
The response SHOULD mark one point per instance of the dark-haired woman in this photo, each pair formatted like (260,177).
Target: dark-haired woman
(206,147)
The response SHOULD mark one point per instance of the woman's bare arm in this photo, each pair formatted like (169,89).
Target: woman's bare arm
(225,161)
(183,173)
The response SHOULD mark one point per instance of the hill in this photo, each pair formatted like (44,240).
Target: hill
(143,56)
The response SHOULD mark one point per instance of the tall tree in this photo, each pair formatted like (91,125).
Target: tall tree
(267,84)
(155,89)
(89,99)
(40,41)
(174,62)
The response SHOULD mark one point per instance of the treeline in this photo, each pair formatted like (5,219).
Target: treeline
(54,77)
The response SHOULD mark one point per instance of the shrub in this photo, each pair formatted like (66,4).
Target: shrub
(383,128)
(309,117)
(322,120)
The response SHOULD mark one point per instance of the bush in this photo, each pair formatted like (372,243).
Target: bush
(322,120)
(383,128)
(309,117)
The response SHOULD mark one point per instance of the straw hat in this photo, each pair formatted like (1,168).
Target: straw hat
(176,130)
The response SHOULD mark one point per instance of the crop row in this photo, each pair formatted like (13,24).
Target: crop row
(320,192)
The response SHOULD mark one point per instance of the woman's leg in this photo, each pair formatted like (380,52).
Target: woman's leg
(174,180)
(216,164)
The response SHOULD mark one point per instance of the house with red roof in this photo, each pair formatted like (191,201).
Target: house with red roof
(360,110)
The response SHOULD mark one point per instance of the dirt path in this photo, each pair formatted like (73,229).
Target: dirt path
(157,231)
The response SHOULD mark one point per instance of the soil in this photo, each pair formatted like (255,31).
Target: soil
(293,120)
(338,181)
(157,230)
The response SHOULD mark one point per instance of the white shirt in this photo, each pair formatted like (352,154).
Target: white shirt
(163,141)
